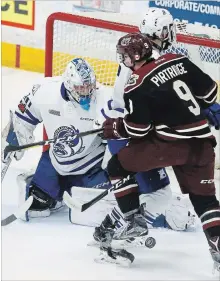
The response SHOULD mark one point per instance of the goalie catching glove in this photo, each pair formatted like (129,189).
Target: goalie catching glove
(15,133)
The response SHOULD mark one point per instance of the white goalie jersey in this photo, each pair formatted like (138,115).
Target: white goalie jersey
(47,103)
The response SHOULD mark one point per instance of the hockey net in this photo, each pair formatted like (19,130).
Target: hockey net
(69,36)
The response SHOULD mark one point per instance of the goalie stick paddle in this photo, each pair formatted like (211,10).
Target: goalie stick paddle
(5,167)
(21,210)
(11,148)
(72,203)
(9,155)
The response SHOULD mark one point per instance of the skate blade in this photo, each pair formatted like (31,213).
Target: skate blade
(93,243)
(120,244)
(104,258)
(216,268)
(148,242)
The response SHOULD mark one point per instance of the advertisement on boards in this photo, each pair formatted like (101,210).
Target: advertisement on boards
(204,13)
(18,13)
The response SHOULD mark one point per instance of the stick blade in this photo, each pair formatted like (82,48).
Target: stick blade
(23,208)
(85,206)
(8,220)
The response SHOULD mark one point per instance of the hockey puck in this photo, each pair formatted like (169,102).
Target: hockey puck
(150,242)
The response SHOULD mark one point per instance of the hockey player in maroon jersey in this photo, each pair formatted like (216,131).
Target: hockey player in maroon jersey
(169,101)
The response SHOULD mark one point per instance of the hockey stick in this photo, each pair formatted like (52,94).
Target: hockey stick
(5,167)
(21,210)
(4,134)
(71,203)
(11,148)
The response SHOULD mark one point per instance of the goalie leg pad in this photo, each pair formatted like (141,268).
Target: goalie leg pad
(178,216)
(42,205)
(85,187)
(23,181)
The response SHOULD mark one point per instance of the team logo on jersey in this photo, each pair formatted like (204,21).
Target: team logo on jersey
(132,80)
(67,143)
(22,106)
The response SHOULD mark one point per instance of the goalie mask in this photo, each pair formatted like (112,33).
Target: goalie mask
(159,26)
(80,82)
(132,48)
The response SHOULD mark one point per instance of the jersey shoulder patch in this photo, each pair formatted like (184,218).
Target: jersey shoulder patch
(138,76)
(132,80)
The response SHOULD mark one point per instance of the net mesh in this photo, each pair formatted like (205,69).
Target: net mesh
(97,46)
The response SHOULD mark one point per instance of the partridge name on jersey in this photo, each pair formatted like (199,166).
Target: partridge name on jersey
(168,73)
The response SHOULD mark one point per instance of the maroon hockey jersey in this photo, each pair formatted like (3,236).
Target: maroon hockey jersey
(168,95)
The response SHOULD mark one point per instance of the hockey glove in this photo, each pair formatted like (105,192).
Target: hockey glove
(212,113)
(15,133)
(114,128)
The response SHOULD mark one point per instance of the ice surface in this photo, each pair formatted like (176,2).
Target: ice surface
(54,249)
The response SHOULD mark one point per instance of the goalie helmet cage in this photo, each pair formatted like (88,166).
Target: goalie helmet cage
(69,36)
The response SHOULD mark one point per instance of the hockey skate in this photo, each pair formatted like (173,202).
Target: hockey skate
(214,243)
(108,254)
(136,227)
(122,241)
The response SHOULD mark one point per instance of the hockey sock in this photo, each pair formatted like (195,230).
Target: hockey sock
(208,209)
(127,197)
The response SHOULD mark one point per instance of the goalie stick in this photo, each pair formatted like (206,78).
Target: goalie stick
(21,210)
(5,167)
(10,155)
(11,148)
(72,203)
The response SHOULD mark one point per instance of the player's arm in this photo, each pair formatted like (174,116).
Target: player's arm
(205,92)
(122,77)
(206,95)
(207,89)
(136,124)
(23,121)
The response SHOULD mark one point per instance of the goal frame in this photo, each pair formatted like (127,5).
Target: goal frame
(99,23)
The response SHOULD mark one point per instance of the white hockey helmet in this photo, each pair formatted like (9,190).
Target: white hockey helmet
(159,26)
(80,82)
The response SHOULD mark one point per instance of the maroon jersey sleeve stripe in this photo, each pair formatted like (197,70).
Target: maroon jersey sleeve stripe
(211,95)
(136,130)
